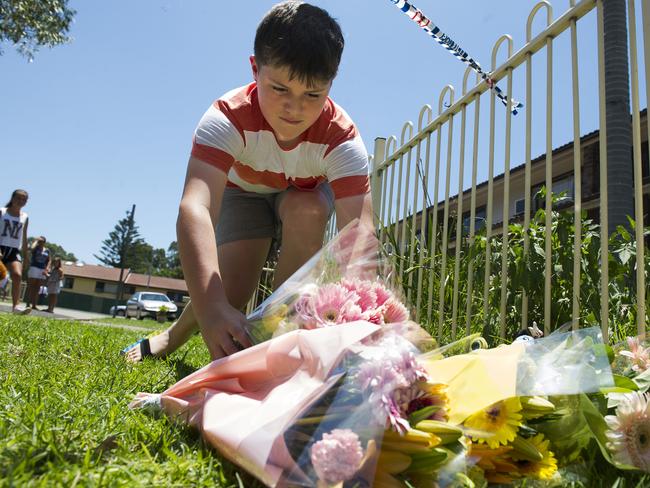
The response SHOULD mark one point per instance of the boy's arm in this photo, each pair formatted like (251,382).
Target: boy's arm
(354,207)
(198,213)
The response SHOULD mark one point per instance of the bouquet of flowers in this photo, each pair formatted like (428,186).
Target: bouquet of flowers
(620,422)
(519,406)
(342,390)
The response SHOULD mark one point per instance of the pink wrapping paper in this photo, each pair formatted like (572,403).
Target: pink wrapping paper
(245,402)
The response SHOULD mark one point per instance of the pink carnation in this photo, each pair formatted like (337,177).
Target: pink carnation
(337,457)
(304,309)
(387,375)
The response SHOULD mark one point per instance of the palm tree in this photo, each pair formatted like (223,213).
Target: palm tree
(620,176)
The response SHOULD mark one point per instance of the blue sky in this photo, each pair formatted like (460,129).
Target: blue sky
(92,127)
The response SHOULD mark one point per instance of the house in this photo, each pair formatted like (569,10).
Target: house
(563,182)
(94,288)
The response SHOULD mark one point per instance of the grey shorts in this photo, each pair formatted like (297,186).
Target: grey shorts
(245,215)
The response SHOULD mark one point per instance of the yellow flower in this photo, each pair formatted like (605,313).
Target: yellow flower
(271,320)
(495,463)
(497,424)
(544,469)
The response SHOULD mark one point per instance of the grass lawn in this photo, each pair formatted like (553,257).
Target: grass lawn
(64,419)
(148,323)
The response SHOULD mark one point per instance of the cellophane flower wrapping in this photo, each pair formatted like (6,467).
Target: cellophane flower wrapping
(521,407)
(332,372)
(342,389)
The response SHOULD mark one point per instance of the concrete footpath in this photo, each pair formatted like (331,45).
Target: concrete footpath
(77,315)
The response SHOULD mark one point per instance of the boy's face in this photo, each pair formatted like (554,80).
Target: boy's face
(288,105)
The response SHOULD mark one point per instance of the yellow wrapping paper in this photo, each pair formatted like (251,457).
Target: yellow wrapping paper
(476,380)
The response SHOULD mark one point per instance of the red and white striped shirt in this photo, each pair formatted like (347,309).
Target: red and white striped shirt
(234,137)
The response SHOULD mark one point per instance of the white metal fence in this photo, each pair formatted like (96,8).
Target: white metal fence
(442,217)
(433,225)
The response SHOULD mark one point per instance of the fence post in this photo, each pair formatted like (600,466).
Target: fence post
(378,159)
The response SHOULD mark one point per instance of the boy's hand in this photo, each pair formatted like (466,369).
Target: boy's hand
(224,331)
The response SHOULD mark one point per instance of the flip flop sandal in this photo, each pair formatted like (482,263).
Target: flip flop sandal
(145,349)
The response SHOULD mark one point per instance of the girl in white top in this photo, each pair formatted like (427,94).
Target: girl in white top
(13,241)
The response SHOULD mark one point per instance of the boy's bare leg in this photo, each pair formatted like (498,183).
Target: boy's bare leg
(170,339)
(304,216)
(241,265)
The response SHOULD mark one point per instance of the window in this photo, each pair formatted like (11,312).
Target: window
(479,219)
(176,296)
(110,288)
(564,185)
(68,282)
(103,287)
(560,186)
(520,206)
(154,297)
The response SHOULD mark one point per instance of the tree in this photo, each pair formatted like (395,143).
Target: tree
(55,251)
(620,171)
(123,248)
(157,261)
(30,24)
(174,262)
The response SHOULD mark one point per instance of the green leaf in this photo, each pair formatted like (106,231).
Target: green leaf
(598,428)
(422,414)
(643,381)
(596,424)
(624,382)
(624,255)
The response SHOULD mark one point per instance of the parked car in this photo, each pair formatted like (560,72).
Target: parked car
(118,311)
(148,304)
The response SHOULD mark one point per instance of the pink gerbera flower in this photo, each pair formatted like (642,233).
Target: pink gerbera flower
(364,290)
(395,312)
(382,293)
(629,434)
(337,457)
(639,355)
(333,304)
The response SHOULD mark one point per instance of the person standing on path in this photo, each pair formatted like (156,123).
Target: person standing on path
(13,240)
(53,282)
(39,265)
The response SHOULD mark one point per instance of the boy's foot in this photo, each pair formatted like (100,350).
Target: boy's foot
(23,311)
(155,346)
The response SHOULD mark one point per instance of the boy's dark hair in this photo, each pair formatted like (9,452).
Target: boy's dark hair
(301,37)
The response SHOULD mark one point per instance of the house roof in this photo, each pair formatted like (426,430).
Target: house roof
(93,271)
(584,139)
(104,273)
(137,279)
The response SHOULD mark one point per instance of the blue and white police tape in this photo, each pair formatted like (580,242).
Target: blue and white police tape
(416,15)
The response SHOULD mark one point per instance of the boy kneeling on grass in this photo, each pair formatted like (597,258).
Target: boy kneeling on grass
(270,161)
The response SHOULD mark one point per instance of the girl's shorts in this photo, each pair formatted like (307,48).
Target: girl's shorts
(35,273)
(10,254)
